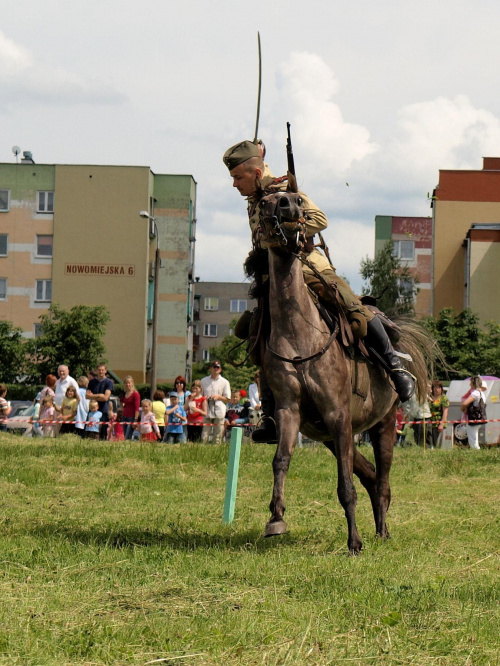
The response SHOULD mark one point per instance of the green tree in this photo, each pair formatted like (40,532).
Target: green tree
(468,348)
(238,377)
(390,281)
(12,352)
(70,337)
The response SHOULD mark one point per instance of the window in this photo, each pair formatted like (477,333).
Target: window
(44,246)
(45,202)
(43,290)
(210,330)
(404,250)
(211,304)
(38,330)
(237,305)
(3,245)
(3,289)
(206,355)
(406,288)
(4,200)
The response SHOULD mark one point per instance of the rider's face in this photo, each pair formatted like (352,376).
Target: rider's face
(244,179)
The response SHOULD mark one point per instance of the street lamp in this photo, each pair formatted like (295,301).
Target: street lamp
(146,215)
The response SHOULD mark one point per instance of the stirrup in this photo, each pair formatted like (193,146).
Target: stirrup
(266,431)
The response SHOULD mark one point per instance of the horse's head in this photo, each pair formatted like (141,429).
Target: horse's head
(282,219)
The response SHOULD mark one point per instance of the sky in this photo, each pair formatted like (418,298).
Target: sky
(380,97)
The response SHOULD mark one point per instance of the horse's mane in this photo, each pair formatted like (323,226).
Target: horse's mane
(257,267)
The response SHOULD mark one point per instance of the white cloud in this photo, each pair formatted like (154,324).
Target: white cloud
(25,80)
(443,134)
(331,145)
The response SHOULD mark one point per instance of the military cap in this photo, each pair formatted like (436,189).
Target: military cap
(240,152)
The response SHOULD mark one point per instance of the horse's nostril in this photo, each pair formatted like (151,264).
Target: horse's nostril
(284,203)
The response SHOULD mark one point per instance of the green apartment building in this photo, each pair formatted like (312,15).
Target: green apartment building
(73,234)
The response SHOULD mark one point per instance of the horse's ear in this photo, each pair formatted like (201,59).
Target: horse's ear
(292,183)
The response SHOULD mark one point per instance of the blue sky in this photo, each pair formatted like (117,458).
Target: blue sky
(380,97)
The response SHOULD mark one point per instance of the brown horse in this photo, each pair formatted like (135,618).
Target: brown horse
(318,389)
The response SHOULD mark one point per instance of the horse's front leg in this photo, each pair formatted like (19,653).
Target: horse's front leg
(288,423)
(344,453)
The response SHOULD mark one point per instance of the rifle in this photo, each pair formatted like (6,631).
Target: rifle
(289,152)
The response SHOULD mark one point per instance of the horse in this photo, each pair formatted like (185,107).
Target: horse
(319,390)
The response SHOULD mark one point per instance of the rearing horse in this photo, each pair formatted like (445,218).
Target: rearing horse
(317,388)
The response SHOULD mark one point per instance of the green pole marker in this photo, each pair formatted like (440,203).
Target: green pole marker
(232,475)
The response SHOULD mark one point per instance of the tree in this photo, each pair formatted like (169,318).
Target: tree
(238,377)
(12,352)
(468,349)
(70,337)
(390,281)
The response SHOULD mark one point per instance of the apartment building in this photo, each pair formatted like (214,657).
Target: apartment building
(73,234)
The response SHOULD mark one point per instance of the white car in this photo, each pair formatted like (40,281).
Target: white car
(20,421)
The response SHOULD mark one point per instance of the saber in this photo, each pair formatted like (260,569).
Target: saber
(259,91)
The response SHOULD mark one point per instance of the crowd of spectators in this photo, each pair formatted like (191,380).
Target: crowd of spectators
(86,407)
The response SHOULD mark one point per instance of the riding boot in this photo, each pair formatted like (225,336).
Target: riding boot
(266,431)
(378,341)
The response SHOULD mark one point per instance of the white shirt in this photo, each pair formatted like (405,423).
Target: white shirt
(62,386)
(218,386)
(253,395)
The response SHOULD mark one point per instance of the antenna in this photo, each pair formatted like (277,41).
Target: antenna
(16,150)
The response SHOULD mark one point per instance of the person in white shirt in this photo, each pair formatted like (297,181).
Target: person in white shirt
(62,385)
(254,397)
(217,391)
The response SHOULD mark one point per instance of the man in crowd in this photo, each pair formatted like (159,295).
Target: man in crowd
(217,391)
(251,177)
(101,391)
(62,385)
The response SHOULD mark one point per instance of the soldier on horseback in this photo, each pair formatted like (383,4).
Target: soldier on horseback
(253,179)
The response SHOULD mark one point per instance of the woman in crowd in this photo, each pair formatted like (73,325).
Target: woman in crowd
(197,409)
(131,402)
(439,405)
(48,389)
(182,396)
(474,406)
(68,410)
(159,408)
(5,408)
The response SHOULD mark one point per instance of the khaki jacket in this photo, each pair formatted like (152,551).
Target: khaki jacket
(316,220)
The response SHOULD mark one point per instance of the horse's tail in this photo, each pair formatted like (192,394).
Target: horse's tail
(424,350)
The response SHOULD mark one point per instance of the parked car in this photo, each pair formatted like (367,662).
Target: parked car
(19,420)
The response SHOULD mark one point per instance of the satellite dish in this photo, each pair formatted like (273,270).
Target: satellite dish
(16,150)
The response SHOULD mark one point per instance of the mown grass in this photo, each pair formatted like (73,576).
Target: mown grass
(116,554)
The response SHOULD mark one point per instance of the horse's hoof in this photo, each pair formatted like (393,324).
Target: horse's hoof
(273,529)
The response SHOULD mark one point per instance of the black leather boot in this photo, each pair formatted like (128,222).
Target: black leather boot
(378,341)
(266,430)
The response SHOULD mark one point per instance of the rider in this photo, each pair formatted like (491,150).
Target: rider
(250,175)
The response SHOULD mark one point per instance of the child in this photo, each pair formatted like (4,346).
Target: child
(147,427)
(93,420)
(115,430)
(176,418)
(83,406)
(5,408)
(68,411)
(47,416)
(197,408)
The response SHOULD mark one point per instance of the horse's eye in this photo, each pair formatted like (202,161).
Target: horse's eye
(284,203)
(300,201)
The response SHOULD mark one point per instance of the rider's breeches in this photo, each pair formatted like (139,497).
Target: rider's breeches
(357,313)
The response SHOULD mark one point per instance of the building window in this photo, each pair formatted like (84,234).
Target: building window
(3,289)
(237,305)
(38,330)
(45,202)
(211,304)
(210,330)
(43,290)
(3,245)
(406,287)
(4,200)
(44,246)
(206,355)
(404,250)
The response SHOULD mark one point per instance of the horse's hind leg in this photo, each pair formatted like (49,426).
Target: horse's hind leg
(383,438)
(288,422)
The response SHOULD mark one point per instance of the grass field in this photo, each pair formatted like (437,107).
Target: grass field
(116,554)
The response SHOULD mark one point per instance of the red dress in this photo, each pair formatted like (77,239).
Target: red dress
(115,431)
